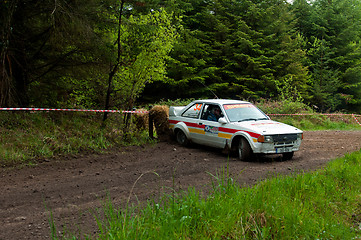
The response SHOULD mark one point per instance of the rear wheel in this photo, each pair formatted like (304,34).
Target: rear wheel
(244,150)
(182,138)
(287,156)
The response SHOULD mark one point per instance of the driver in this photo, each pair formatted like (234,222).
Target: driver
(215,114)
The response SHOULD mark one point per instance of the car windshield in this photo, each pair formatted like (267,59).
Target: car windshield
(243,112)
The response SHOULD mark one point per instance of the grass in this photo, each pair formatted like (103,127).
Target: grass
(316,121)
(320,122)
(325,204)
(27,137)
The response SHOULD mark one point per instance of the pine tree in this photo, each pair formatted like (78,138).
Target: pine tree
(332,30)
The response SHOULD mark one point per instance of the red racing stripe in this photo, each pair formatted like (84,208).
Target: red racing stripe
(195,125)
(189,124)
(230,130)
(173,121)
(221,129)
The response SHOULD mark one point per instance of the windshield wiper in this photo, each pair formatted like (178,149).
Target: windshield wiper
(247,119)
(262,118)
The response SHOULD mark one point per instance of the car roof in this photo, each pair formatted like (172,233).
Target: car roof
(221,101)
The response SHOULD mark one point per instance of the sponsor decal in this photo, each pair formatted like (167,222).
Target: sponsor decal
(232,106)
(211,129)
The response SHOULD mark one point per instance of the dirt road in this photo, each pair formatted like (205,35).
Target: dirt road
(74,188)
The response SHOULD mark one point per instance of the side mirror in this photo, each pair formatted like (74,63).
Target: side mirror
(222,120)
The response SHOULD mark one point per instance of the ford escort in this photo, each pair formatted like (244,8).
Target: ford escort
(234,125)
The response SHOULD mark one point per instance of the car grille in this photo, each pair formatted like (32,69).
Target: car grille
(284,138)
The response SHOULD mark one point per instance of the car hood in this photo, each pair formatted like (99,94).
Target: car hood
(268,127)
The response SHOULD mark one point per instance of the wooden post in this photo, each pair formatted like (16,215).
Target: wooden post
(150,126)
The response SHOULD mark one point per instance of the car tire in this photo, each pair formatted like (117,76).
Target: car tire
(244,150)
(287,156)
(182,138)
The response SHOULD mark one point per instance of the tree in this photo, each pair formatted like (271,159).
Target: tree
(237,49)
(46,45)
(332,30)
(13,77)
(325,81)
(143,43)
(147,41)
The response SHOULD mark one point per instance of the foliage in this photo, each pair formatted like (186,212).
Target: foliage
(233,49)
(325,82)
(223,53)
(58,53)
(45,45)
(146,42)
(332,30)
(283,107)
(176,102)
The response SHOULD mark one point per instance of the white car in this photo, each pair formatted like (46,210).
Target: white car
(240,127)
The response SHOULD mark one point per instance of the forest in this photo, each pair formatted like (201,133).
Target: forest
(118,54)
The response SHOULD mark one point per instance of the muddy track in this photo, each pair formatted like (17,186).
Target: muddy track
(74,188)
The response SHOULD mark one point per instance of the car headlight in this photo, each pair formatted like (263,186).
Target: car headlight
(300,136)
(265,139)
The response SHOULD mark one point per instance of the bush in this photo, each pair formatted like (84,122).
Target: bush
(283,107)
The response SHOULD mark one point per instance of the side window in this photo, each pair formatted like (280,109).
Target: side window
(193,111)
(206,111)
(211,112)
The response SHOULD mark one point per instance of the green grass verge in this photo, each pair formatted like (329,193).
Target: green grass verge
(325,204)
(320,122)
(315,121)
(28,137)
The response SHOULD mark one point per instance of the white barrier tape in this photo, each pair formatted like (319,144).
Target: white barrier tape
(308,114)
(324,114)
(135,112)
(354,116)
(69,110)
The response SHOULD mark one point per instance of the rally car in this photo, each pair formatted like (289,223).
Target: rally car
(238,126)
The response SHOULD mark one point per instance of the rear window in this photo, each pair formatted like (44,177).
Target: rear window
(193,111)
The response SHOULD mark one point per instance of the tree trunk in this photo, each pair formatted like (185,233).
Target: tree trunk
(115,67)
(6,84)
(13,60)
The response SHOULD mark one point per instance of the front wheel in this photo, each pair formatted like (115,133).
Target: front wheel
(244,150)
(182,138)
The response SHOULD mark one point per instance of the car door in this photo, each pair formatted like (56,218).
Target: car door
(211,127)
(191,119)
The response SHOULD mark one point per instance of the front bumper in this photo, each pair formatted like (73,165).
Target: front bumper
(275,148)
